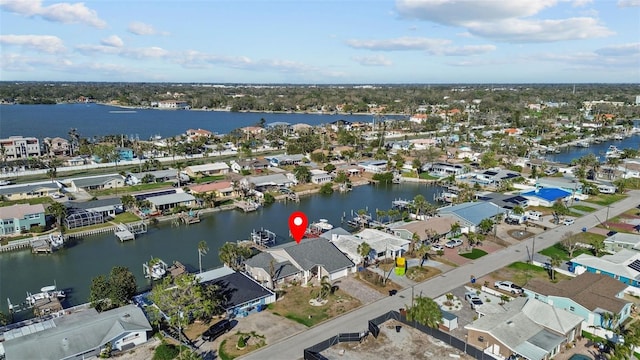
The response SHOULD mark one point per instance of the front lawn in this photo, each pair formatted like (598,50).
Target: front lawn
(229,350)
(45,200)
(583,208)
(426,176)
(559,251)
(126,217)
(605,199)
(129,189)
(294,305)
(474,254)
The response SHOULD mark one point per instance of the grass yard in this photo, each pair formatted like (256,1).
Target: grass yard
(419,274)
(584,208)
(126,217)
(228,348)
(294,305)
(129,189)
(558,250)
(45,200)
(605,199)
(426,176)
(474,254)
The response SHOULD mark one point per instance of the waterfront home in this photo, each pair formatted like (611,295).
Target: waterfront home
(266,182)
(431,229)
(546,196)
(125,154)
(242,294)
(470,214)
(253,130)
(108,207)
(284,160)
(506,201)
(167,202)
(101,182)
(220,189)
(211,169)
(320,176)
(17,218)
(271,272)
(78,217)
(195,134)
(623,266)
(18,147)
(524,327)
(619,241)
(444,169)
(30,191)
(383,245)
(495,176)
(313,258)
(79,335)
(252,165)
(57,146)
(172,104)
(158,176)
(569,183)
(588,295)
(373,166)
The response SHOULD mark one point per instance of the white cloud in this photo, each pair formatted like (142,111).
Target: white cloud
(66,13)
(134,53)
(377,60)
(628,3)
(508,21)
(404,43)
(631,49)
(466,50)
(140,28)
(113,40)
(43,43)
(581,3)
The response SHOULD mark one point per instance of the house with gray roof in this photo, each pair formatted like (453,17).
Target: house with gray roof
(266,270)
(167,202)
(619,241)
(470,214)
(109,207)
(16,218)
(79,335)
(283,160)
(313,258)
(267,181)
(524,327)
(112,181)
(29,191)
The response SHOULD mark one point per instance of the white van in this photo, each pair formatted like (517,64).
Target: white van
(534,215)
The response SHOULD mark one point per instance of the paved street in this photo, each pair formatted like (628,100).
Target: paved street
(356,320)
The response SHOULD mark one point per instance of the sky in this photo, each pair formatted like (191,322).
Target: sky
(321,41)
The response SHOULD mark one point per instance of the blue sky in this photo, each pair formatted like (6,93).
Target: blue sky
(322,41)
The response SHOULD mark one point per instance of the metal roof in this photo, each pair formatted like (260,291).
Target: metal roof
(171,199)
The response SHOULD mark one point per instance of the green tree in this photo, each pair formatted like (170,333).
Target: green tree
(202,250)
(99,293)
(326,189)
(128,201)
(4,319)
(455,229)
(113,291)
(364,249)
(59,211)
(555,261)
(423,253)
(302,174)
(325,287)
(485,225)
(425,311)
(232,255)
(341,177)
(419,204)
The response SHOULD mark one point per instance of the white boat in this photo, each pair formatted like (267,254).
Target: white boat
(56,240)
(5,182)
(613,152)
(158,271)
(584,144)
(46,293)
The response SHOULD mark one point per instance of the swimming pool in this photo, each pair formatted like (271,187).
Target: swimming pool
(580,357)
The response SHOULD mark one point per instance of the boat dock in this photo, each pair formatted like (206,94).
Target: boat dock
(189,218)
(155,269)
(247,206)
(401,204)
(129,231)
(263,237)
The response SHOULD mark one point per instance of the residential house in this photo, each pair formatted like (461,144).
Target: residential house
(18,147)
(79,160)
(164,203)
(619,241)
(623,266)
(242,294)
(96,183)
(524,327)
(158,176)
(125,154)
(271,272)
(505,201)
(422,144)
(173,104)
(30,191)
(546,196)
(79,335)
(470,214)
(57,146)
(383,245)
(221,189)
(108,207)
(17,218)
(373,166)
(211,169)
(433,228)
(569,184)
(194,134)
(284,160)
(253,130)
(252,165)
(313,258)
(495,176)
(320,176)
(444,169)
(268,181)
(587,295)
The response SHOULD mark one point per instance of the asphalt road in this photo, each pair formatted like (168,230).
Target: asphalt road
(355,321)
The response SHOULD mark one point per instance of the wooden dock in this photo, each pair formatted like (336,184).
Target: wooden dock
(247,206)
(129,231)
(40,246)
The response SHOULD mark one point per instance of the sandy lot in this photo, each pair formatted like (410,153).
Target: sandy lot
(409,342)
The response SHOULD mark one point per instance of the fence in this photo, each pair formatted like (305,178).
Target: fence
(314,352)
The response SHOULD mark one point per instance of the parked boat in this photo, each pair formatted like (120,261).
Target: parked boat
(158,271)
(155,269)
(56,240)
(263,237)
(584,144)
(318,228)
(46,293)
(613,152)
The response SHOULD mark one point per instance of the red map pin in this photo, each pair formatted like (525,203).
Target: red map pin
(298,225)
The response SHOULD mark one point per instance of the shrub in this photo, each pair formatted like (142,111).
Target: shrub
(242,343)
(165,352)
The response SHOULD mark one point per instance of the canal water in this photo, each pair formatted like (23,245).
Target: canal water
(569,153)
(73,268)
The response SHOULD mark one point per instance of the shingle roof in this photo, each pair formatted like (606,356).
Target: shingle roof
(263,261)
(93,204)
(238,289)
(593,291)
(95,181)
(171,199)
(319,251)
(23,189)
(18,211)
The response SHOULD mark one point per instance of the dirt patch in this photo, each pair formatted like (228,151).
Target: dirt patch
(141,352)
(409,343)
(420,274)
(375,281)
(229,346)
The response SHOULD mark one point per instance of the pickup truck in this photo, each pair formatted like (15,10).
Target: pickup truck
(473,299)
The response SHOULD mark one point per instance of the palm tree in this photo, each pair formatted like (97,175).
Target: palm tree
(325,287)
(128,201)
(423,253)
(59,211)
(232,255)
(425,311)
(455,228)
(555,261)
(419,204)
(364,249)
(202,250)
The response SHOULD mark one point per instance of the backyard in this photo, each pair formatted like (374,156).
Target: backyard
(294,304)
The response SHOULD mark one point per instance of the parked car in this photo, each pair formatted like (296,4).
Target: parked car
(453,243)
(473,299)
(568,222)
(437,247)
(216,330)
(57,195)
(508,286)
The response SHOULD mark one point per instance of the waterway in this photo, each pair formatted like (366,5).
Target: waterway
(98,120)
(569,153)
(73,268)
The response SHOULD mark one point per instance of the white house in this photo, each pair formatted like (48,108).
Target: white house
(320,176)
(383,245)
